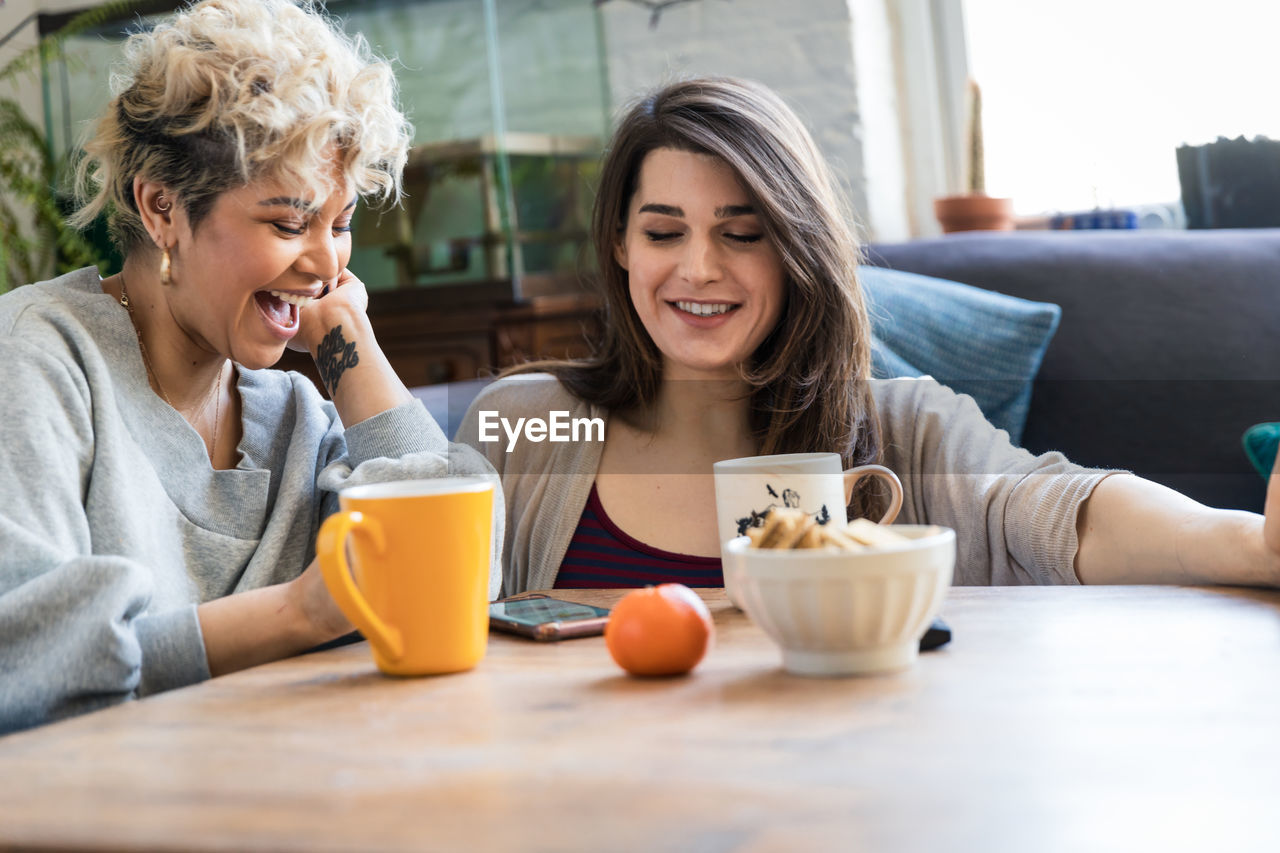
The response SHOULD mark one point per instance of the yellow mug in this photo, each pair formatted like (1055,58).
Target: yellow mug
(421,549)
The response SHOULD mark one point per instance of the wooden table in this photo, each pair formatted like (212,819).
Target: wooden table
(1059,719)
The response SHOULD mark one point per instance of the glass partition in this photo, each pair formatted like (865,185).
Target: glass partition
(509,105)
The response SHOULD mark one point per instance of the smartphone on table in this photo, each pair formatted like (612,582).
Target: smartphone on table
(544,618)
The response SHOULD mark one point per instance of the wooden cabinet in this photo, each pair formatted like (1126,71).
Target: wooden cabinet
(552,327)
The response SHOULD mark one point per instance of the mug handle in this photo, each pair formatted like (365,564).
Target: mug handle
(331,548)
(853,475)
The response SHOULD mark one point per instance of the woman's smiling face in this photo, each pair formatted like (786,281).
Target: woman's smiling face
(705,279)
(248,270)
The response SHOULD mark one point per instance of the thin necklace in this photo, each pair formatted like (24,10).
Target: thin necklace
(151,373)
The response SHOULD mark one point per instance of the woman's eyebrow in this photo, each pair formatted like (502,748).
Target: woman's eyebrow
(727,212)
(298,204)
(287,201)
(662,210)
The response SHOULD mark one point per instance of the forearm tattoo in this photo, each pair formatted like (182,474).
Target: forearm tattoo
(334,356)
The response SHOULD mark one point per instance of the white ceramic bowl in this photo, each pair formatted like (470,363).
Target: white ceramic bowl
(843,613)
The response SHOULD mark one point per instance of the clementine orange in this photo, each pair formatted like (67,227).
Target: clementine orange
(659,630)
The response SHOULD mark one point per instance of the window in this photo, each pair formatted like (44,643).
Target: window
(1085,103)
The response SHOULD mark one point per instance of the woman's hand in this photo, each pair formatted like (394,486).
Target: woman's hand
(344,301)
(1271,523)
(269,623)
(317,610)
(337,332)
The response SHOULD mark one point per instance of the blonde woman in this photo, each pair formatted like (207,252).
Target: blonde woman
(162,488)
(735,326)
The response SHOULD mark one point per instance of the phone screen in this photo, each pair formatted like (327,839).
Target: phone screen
(537,611)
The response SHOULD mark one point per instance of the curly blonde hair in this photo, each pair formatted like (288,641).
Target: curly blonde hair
(231,91)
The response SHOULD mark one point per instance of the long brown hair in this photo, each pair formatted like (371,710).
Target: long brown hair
(809,377)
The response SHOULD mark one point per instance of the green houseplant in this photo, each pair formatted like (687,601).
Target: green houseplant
(974,210)
(34,236)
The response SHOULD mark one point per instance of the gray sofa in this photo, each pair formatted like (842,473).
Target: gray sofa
(1167,350)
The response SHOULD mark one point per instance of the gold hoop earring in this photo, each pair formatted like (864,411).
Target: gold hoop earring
(165,278)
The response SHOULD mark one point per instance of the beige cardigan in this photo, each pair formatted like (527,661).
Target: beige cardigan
(1014,514)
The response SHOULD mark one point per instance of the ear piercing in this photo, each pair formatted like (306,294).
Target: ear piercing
(163,205)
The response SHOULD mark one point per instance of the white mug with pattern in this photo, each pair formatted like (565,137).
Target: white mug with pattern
(748,487)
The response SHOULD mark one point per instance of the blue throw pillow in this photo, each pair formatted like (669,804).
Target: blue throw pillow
(978,342)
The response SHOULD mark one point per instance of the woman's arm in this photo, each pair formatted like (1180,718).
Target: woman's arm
(77,629)
(1014,514)
(1135,531)
(270,623)
(337,332)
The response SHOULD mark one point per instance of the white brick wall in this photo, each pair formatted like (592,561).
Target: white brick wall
(801,48)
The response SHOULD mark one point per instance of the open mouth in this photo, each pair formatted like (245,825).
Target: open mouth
(706,309)
(281,309)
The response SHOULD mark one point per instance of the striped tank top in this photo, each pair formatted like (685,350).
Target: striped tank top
(602,556)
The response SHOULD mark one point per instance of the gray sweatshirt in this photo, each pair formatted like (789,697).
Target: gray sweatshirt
(113,523)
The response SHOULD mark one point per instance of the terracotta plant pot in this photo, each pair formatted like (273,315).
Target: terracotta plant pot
(974,213)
